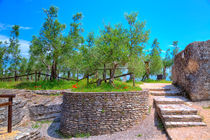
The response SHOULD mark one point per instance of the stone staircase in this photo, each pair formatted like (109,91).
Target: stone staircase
(173,109)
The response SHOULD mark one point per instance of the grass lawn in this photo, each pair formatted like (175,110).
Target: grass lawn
(80,86)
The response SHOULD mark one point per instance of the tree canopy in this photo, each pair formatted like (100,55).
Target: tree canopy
(115,49)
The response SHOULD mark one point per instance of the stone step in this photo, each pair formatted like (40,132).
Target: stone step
(182,118)
(165,93)
(169,100)
(175,109)
(159,89)
(183,124)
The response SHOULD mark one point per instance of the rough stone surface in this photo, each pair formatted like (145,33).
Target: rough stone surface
(18,112)
(29,106)
(46,111)
(191,70)
(28,134)
(50,92)
(102,113)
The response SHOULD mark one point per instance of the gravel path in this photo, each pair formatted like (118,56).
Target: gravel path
(148,129)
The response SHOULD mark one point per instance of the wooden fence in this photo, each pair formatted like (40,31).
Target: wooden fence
(35,75)
(9,104)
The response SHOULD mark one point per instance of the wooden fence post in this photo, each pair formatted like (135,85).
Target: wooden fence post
(10,116)
(27,77)
(35,76)
(15,75)
(69,74)
(39,75)
(133,79)
(87,79)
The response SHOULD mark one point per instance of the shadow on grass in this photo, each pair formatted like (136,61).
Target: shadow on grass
(45,85)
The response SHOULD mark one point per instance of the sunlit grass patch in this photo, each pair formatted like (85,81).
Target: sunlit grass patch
(80,86)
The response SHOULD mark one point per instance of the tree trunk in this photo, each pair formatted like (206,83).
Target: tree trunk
(69,74)
(73,74)
(147,69)
(77,75)
(131,76)
(15,75)
(104,73)
(35,76)
(96,75)
(27,77)
(99,82)
(112,73)
(39,75)
(58,75)
(53,71)
(133,80)
(164,72)
(87,79)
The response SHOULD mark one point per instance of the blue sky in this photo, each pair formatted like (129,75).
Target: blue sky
(168,20)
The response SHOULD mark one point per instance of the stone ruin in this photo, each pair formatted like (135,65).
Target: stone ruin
(99,113)
(191,70)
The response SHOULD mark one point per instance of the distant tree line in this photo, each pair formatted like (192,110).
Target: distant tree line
(117,48)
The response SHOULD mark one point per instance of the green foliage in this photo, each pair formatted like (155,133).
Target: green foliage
(112,45)
(82,135)
(55,53)
(139,135)
(36,125)
(155,59)
(13,49)
(137,65)
(150,107)
(62,135)
(3,57)
(176,48)
(137,36)
(160,124)
(167,60)
(48,47)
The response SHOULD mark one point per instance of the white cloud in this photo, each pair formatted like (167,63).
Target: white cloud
(25,28)
(8,27)
(147,50)
(4,27)
(24,45)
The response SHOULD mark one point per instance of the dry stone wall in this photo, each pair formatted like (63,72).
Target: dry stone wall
(30,106)
(191,70)
(102,113)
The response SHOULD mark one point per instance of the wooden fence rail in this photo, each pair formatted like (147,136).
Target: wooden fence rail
(9,104)
(30,74)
